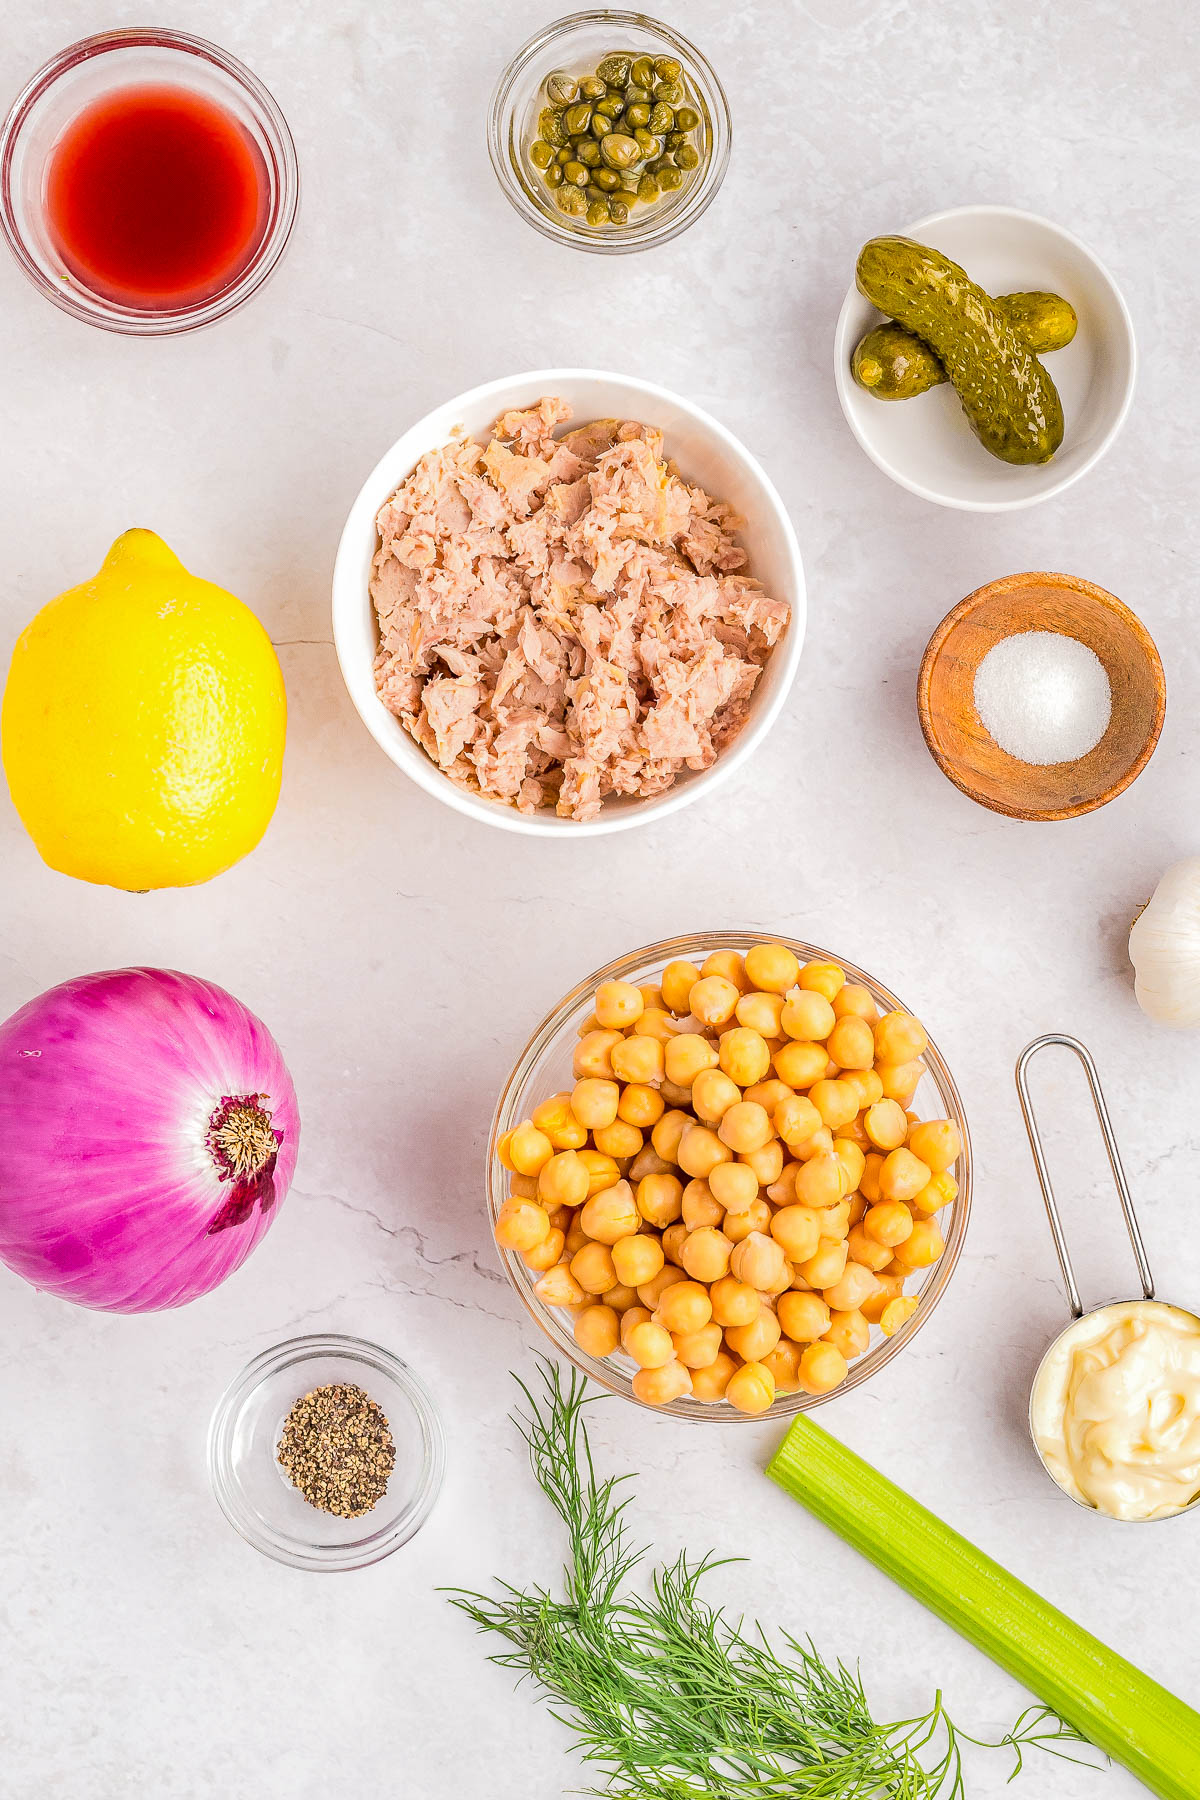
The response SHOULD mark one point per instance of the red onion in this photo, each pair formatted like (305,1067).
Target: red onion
(148,1135)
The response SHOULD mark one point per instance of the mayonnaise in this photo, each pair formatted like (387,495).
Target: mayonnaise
(1116,1410)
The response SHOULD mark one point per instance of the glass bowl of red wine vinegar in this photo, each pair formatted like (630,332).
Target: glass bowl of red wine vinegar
(148,182)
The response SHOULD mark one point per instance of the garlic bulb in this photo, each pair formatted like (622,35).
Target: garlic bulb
(1164,948)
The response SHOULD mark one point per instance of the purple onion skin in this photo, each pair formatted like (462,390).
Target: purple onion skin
(114,1192)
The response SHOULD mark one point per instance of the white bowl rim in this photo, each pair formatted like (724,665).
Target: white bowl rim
(347,600)
(842,377)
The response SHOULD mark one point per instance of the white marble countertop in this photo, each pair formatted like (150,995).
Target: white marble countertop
(401,954)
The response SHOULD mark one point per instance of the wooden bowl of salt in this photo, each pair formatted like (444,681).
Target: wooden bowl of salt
(1041,696)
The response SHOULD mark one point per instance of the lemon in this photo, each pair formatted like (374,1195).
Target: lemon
(143,724)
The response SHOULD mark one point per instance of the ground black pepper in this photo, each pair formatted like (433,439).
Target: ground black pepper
(337,1449)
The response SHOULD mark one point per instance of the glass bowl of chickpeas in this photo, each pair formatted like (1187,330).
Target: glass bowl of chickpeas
(730,1176)
(609,131)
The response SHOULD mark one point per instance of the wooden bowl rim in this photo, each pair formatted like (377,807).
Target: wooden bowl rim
(1073,584)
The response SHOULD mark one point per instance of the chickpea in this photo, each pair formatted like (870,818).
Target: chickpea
(854,1002)
(673,1240)
(899,1038)
(856,1210)
(555,1118)
(575,1238)
(705,1254)
(558,1287)
(651,1292)
(647,1162)
(667,1133)
(686,1055)
(827,1266)
(728,965)
(783,1364)
(847,1295)
(737,1226)
(866,1084)
(593,1268)
(602,1171)
(678,980)
(658,1387)
(822,978)
(521,1225)
(620,1140)
(744,1055)
(734,1302)
(528,1149)
(772,967)
(937,1142)
(769,1093)
(640,1105)
(821,1181)
(798,1232)
(866,1250)
(594,1101)
(898,1312)
(503,1148)
(640,1059)
(849,1333)
(835,1221)
(593,1055)
(545,1255)
(713,1000)
(684,1307)
(597,1330)
(745,1126)
(783,1191)
(819,1144)
(766,1162)
(651,995)
(922,1247)
(804,1317)
(655,1023)
(636,1315)
(934,1195)
(523,1187)
(620,1298)
(822,1368)
(836,1102)
(796,1118)
(563,1181)
(696,1349)
(800,1064)
(751,1389)
(756,1339)
(758,1260)
(700,1150)
(886,1125)
(853,1163)
(618,1005)
(710,1383)
(807,1017)
(761,1013)
(712,1094)
(637,1259)
(700,1207)
(900,1080)
(851,1044)
(734,1186)
(868,1185)
(649,1344)
(902,1176)
(889,1223)
(887,1287)
(854,1131)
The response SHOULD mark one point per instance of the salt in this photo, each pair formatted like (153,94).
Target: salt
(1043,697)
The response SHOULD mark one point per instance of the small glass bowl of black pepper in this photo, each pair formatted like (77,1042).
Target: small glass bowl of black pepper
(610,132)
(364,1407)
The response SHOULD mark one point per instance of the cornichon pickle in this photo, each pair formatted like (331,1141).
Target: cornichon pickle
(893,364)
(1010,401)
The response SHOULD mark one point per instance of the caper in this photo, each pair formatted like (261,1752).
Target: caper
(569,200)
(610,109)
(637,115)
(540,154)
(661,119)
(592,88)
(561,87)
(658,165)
(648,188)
(668,68)
(601,125)
(615,68)
(686,119)
(550,125)
(554,175)
(577,118)
(576,173)
(618,211)
(669,179)
(565,155)
(597,212)
(593,192)
(629,181)
(675,138)
(587,150)
(636,96)
(606,179)
(687,156)
(647,143)
(620,151)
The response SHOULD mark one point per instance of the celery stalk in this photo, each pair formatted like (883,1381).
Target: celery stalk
(1113,1704)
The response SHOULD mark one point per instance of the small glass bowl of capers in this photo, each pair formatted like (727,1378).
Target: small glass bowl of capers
(609,131)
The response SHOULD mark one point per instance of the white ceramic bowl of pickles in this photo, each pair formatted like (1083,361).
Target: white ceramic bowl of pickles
(926,443)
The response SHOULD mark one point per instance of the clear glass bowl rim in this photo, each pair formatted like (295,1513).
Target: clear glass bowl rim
(644,236)
(128,321)
(694,946)
(323,1559)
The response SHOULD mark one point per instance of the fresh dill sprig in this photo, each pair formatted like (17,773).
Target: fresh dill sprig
(669,1698)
